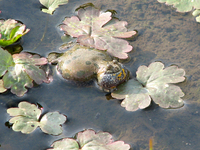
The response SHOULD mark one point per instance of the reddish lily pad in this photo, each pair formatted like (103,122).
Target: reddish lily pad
(88,139)
(99,30)
(153,82)
(20,70)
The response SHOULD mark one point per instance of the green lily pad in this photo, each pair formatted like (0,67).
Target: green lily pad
(99,30)
(196,13)
(10,31)
(51,5)
(20,70)
(89,140)
(26,119)
(51,123)
(153,82)
(183,5)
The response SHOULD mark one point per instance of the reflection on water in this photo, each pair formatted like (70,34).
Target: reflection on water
(164,35)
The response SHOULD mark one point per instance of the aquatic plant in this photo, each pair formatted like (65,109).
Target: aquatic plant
(20,70)
(26,119)
(99,30)
(51,5)
(88,139)
(152,82)
(185,6)
(10,31)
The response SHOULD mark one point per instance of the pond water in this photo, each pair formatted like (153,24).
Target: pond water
(164,35)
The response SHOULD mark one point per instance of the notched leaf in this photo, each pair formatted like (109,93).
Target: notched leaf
(10,31)
(88,139)
(153,82)
(20,70)
(99,30)
(26,119)
(51,5)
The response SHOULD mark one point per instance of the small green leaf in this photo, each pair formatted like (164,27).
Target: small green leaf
(51,123)
(10,31)
(52,5)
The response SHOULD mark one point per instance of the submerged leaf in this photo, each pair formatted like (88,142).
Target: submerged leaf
(152,82)
(88,139)
(26,119)
(20,70)
(52,5)
(99,30)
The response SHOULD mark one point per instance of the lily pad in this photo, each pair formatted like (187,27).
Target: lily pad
(10,31)
(196,13)
(26,119)
(51,5)
(183,5)
(99,30)
(153,82)
(89,140)
(2,89)
(19,71)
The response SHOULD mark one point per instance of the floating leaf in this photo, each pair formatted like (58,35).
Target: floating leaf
(89,140)
(99,30)
(11,31)
(51,123)
(152,82)
(52,5)
(20,70)
(183,5)
(197,13)
(26,119)
(2,89)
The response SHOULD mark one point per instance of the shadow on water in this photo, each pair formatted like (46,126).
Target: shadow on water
(164,35)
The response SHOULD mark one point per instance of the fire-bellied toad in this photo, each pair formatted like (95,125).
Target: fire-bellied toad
(81,63)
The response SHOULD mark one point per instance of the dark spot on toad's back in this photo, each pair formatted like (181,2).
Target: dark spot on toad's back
(88,63)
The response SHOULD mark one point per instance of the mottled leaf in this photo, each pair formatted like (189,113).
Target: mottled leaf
(134,94)
(152,82)
(26,68)
(51,5)
(89,140)
(26,119)
(6,61)
(51,123)
(99,30)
